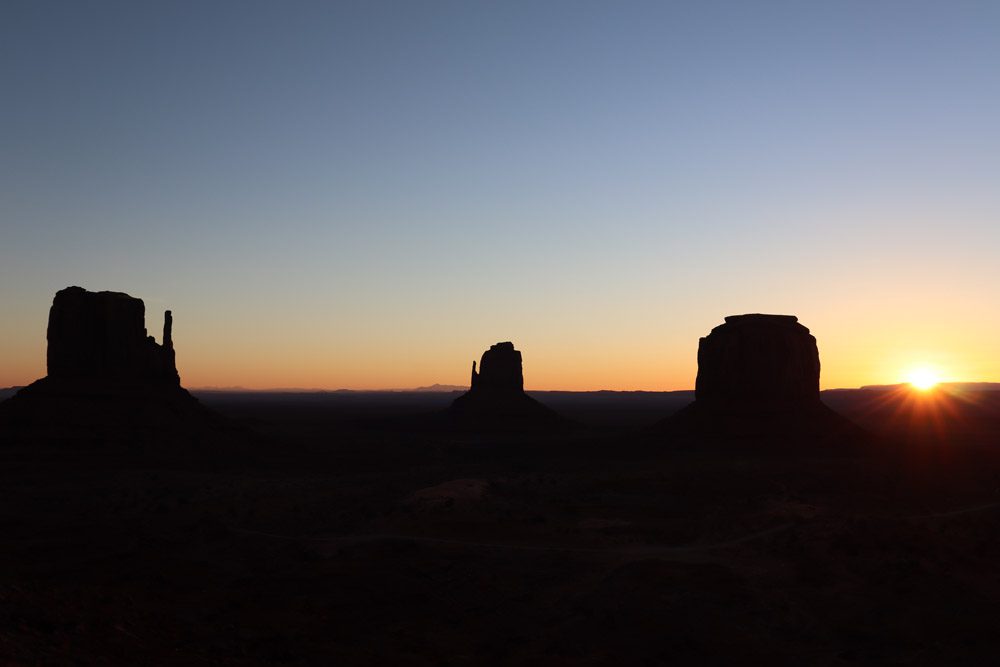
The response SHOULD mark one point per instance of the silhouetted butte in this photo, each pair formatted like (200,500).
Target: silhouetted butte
(101,336)
(496,397)
(106,375)
(758,362)
(758,375)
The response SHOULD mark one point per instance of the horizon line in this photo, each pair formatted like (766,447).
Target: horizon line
(429,389)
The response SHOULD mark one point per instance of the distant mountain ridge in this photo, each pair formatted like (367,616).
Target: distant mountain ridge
(962,386)
(7,392)
(439,387)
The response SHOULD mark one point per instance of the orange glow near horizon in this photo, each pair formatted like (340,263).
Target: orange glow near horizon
(297,349)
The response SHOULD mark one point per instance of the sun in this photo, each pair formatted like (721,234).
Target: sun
(923,378)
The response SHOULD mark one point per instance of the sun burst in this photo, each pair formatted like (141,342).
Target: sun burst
(923,378)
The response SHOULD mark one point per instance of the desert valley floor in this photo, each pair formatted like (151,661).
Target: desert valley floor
(326,529)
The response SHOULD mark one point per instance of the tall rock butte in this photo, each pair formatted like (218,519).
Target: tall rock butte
(758,362)
(758,376)
(107,378)
(496,397)
(500,371)
(102,336)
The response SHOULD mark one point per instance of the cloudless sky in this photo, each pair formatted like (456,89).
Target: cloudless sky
(369,194)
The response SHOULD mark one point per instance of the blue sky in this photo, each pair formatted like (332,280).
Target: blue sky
(369,194)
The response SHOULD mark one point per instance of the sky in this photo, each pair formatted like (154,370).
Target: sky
(370,194)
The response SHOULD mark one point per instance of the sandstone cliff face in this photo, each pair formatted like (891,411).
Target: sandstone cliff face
(496,398)
(102,336)
(758,361)
(758,382)
(500,371)
(108,381)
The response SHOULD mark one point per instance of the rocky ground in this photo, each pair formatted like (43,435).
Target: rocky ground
(337,543)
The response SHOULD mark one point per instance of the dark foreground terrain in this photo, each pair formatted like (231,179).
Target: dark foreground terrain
(314,531)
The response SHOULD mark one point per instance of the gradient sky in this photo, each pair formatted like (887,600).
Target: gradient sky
(369,194)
